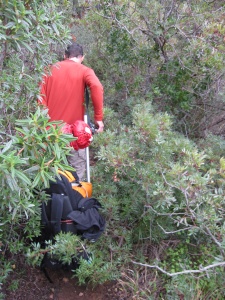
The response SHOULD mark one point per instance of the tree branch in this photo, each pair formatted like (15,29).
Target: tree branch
(163,214)
(175,231)
(215,240)
(201,269)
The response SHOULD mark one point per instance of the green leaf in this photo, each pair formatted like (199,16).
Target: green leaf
(37,180)
(20,175)
(26,45)
(14,212)
(7,146)
(11,182)
(32,169)
(57,150)
(9,25)
(55,28)
(222,163)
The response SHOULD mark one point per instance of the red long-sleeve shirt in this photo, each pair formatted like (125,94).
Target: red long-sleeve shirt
(62,91)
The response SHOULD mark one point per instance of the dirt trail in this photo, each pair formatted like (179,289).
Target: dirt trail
(66,288)
(33,285)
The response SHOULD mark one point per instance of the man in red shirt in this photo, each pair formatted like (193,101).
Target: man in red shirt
(62,92)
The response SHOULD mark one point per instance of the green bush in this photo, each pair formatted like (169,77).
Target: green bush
(27,162)
(160,187)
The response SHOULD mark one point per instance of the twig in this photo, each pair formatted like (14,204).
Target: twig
(201,269)
(215,240)
(175,231)
(163,214)
(20,151)
(169,12)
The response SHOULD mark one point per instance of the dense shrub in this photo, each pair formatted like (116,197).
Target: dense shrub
(161,188)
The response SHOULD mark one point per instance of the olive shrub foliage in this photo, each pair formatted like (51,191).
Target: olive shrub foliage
(162,187)
(30,34)
(28,161)
(164,191)
(172,51)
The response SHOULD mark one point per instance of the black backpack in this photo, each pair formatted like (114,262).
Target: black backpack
(68,211)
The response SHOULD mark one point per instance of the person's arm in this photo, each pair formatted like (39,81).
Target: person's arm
(96,89)
(42,95)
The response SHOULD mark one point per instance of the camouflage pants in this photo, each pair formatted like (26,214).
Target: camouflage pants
(77,160)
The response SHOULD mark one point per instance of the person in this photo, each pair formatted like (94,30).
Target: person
(62,92)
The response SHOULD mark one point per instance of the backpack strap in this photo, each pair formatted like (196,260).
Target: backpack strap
(71,176)
(75,175)
(56,212)
(67,207)
(44,218)
(73,195)
(46,228)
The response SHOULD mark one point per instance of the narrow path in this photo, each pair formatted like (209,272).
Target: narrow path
(32,284)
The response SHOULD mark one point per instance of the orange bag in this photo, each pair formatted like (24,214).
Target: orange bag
(83,187)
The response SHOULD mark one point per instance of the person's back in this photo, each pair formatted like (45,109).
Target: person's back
(62,92)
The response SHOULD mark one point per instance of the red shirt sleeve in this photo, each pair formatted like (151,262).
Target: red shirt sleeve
(97,91)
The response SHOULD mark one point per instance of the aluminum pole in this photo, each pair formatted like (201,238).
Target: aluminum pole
(87,155)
